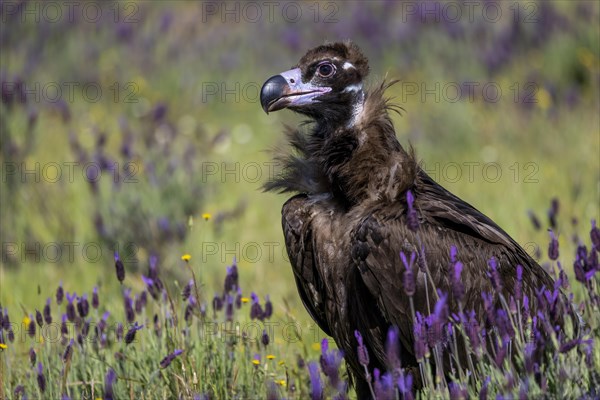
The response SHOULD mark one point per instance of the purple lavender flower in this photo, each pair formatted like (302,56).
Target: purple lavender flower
(231,278)
(153,283)
(38,318)
(217,303)
(553,212)
(6,321)
(409,279)
(382,386)
(457,391)
(32,356)
(70,307)
(64,329)
(458,288)
(31,327)
(48,312)
(128,305)
(130,336)
(392,349)
(595,236)
(519,283)
(189,309)
(268,308)
(489,306)
(405,386)
(483,393)
(504,325)
(60,294)
(534,220)
(494,275)
(238,299)
(41,379)
(109,381)
(330,361)
(583,271)
(19,391)
(361,350)
(229,308)
(85,330)
(83,306)
(95,299)
(435,322)
(153,267)
(187,290)
(316,383)
(119,332)
(143,298)
(120,268)
(264,339)
(420,334)
(529,353)
(553,246)
(501,352)
(102,322)
(412,219)
(137,302)
(68,352)
(169,358)
(526,311)
(472,329)
(256,311)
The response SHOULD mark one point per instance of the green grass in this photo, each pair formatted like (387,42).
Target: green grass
(556,143)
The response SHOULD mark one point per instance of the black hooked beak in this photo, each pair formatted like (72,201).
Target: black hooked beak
(288,90)
(272,94)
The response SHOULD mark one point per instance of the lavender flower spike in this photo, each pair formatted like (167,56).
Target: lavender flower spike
(316,383)
(48,312)
(553,246)
(120,268)
(109,381)
(169,358)
(130,336)
(41,379)
(409,278)
(412,219)
(362,353)
(595,236)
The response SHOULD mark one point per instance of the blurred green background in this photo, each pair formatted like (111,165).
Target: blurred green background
(123,123)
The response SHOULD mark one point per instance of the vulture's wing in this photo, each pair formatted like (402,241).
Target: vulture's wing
(445,220)
(299,242)
(439,207)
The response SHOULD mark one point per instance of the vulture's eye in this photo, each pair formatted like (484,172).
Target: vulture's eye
(325,70)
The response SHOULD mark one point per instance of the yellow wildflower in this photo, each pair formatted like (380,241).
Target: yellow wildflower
(256,362)
(245,300)
(26,320)
(270,357)
(206,216)
(543,99)
(281,382)
(281,362)
(186,257)
(3,346)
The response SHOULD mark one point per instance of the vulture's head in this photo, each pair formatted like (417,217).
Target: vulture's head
(325,84)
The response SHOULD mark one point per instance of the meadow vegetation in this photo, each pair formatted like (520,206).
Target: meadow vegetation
(135,142)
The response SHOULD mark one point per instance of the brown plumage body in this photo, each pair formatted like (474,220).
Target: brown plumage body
(345,227)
